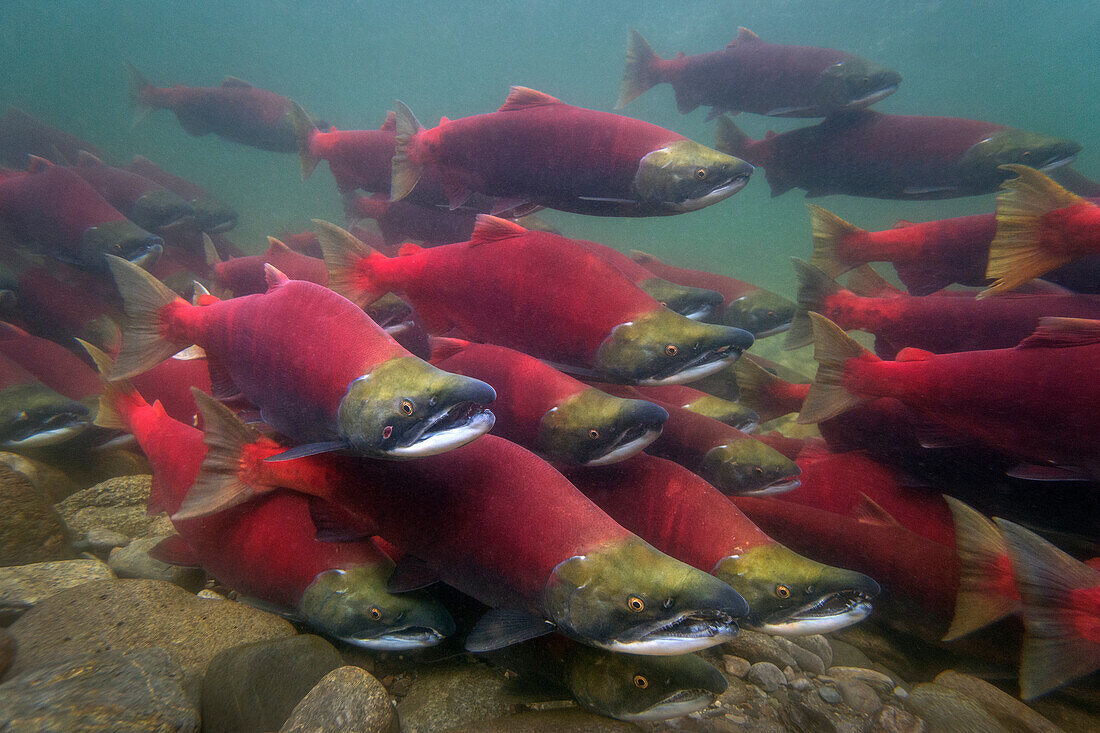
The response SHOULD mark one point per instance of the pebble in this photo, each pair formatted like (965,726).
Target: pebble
(802,684)
(117,504)
(1002,706)
(138,690)
(30,530)
(100,541)
(950,711)
(346,699)
(737,693)
(210,595)
(891,719)
(817,644)
(901,692)
(859,696)
(51,483)
(829,695)
(454,696)
(134,561)
(736,666)
(867,676)
(757,647)
(804,658)
(23,586)
(767,676)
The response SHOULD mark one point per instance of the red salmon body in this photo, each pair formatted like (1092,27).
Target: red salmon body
(358,159)
(730,288)
(51,363)
(245,275)
(143,201)
(405,221)
(22,135)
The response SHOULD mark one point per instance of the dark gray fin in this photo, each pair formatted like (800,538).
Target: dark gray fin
(405,172)
(499,628)
(336,524)
(271,607)
(136,85)
(1038,472)
(221,384)
(411,574)
(219,485)
(866,282)
(729,139)
(923,278)
(303,133)
(174,550)
(814,286)
(144,298)
(308,449)
(828,396)
(233,81)
(639,74)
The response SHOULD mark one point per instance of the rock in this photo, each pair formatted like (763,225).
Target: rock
(7,650)
(736,666)
(871,677)
(100,541)
(210,595)
(802,684)
(1009,711)
(455,696)
(766,676)
(133,561)
(859,696)
(846,655)
(121,615)
(737,692)
(346,699)
(116,504)
(550,721)
(22,586)
(138,690)
(30,530)
(901,692)
(757,647)
(817,644)
(254,687)
(808,713)
(892,719)
(830,695)
(51,482)
(950,711)
(805,658)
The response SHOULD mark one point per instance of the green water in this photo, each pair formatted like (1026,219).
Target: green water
(1026,64)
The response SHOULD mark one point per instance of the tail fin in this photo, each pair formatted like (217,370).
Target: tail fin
(814,286)
(117,398)
(829,230)
(303,134)
(406,172)
(866,282)
(986,588)
(212,257)
(219,485)
(832,349)
(729,139)
(144,297)
(1017,253)
(758,391)
(1057,647)
(136,84)
(638,75)
(349,263)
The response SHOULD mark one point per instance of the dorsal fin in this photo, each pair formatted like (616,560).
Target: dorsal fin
(232,81)
(37,164)
(276,247)
(644,258)
(274,276)
(902,224)
(865,282)
(912,353)
(408,248)
(744,35)
(444,120)
(212,257)
(390,125)
(83,157)
(1060,333)
(868,511)
(769,134)
(492,229)
(526,98)
(444,348)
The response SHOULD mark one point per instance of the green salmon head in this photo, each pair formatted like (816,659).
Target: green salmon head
(733,414)
(854,83)
(353,605)
(34,416)
(662,347)
(593,428)
(407,408)
(748,467)
(639,688)
(161,208)
(761,312)
(790,595)
(213,216)
(686,176)
(628,597)
(121,238)
(1035,150)
(694,303)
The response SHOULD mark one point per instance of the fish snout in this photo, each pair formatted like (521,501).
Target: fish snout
(160,208)
(761,313)
(748,467)
(695,303)
(121,238)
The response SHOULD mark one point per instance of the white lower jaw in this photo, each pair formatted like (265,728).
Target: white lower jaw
(872,98)
(626,450)
(718,194)
(780,487)
(48,437)
(667,646)
(150,256)
(700,314)
(692,373)
(1059,163)
(446,440)
(821,625)
(665,711)
(394,643)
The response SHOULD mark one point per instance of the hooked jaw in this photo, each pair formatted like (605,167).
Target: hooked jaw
(34,416)
(686,176)
(690,631)
(748,467)
(761,312)
(593,428)
(122,238)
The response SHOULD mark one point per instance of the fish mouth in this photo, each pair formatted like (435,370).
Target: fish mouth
(779,486)
(630,442)
(147,256)
(868,99)
(1058,162)
(829,612)
(398,640)
(727,189)
(55,429)
(687,632)
(704,364)
(700,313)
(684,702)
(448,429)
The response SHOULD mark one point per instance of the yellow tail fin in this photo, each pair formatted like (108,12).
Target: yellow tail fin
(832,349)
(814,286)
(405,171)
(828,231)
(303,133)
(347,260)
(144,297)
(638,75)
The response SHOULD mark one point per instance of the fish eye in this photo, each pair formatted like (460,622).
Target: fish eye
(594,434)
(671,350)
(375,614)
(865,80)
(759,471)
(783,591)
(406,407)
(387,432)
(635,604)
(640,682)
(1026,154)
(701,174)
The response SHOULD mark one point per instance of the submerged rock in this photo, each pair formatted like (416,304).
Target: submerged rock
(766,676)
(134,561)
(346,699)
(23,586)
(117,504)
(139,690)
(950,711)
(890,719)
(254,687)
(757,647)
(455,696)
(7,650)
(30,530)
(51,482)
(817,644)
(120,615)
(859,696)
(549,721)
(100,541)
(1008,710)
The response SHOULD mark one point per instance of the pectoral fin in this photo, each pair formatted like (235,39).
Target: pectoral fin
(500,628)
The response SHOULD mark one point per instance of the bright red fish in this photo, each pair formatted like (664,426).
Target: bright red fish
(539,293)
(246,276)
(358,159)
